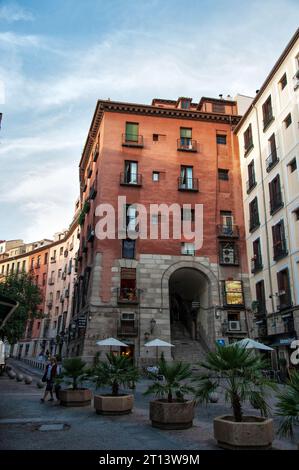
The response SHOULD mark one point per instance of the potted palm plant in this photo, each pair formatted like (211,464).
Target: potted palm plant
(74,373)
(171,410)
(239,373)
(117,371)
(288,406)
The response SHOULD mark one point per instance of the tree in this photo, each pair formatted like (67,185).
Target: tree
(239,373)
(21,288)
(74,369)
(288,406)
(118,371)
(175,375)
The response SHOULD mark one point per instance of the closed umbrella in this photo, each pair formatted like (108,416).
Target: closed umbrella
(249,343)
(158,343)
(111,342)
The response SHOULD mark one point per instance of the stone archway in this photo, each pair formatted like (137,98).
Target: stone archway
(190,293)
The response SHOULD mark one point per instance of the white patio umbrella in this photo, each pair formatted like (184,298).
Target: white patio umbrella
(111,342)
(249,343)
(158,343)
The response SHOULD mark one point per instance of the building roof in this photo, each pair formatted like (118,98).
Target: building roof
(270,76)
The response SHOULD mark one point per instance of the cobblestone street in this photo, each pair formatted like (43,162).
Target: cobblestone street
(22,417)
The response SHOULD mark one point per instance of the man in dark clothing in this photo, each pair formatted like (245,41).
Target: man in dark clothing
(49,376)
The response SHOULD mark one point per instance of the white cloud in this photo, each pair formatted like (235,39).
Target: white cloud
(12,39)
(13,12)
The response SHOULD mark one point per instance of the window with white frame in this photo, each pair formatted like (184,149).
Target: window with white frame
(188,249)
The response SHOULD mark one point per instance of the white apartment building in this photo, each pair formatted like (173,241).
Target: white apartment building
(269,154)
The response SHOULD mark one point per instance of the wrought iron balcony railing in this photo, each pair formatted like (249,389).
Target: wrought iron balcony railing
(132,140)
(131,179)
(188,184)
(272,160)
(185,144)
(127,328)
(256,264)
(228,231)
(280,249)
(276,202)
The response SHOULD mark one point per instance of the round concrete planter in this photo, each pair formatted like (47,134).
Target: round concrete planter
(253,433)
(11,374)
(20,377)
(80,397)
(175,415)
(113,405)
(28,379)
(40,384)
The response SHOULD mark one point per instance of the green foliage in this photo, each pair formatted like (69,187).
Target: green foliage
(118,371)
(238,372)
(175,374)
(22,288)
(288,406)
(73,368)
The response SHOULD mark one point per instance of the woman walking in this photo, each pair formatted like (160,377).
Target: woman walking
(49,376)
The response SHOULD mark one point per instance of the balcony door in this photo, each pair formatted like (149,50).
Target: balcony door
(227,222)
(132,131)
(186,137)
(187,177)
(131,172)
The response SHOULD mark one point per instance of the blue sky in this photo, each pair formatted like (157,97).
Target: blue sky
(58,57)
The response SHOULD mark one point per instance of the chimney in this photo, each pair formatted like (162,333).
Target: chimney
(221,97)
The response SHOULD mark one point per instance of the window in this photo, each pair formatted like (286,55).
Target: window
(128,291)
(283,81)
(296,212)
(267,112)
(156,176)
(254,220)
(272,158)
(61,251)
(260,297)
(155,137)
(233,293)
(128,249)
(223,175)
(187,249)
(251,183)
(38,262)
(131,217)
(32,263)
(256,262)
(185,137)
(187,214)
(46,258)
(131,172)
(132,131)
(221,139)
(24,265)
(248,142)
(185,104)
(288,120)
(18,267)
(279,241)
(218,108)
(59,273)
(186,178)
(228,254)
(57,294)
(36,279)
(275,195)
(284,289)
(44,279)
(292,165)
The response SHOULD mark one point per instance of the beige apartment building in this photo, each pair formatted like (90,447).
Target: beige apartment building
(269,154)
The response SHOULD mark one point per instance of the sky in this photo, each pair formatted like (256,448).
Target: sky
(58,57)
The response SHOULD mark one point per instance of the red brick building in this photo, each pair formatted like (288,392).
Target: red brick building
(169,152)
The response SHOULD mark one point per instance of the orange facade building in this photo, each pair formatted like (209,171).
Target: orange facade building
(169,152)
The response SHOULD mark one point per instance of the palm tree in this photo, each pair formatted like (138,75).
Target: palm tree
(118,371)
(175,374)
(74,368)
(238,372)
(288,406)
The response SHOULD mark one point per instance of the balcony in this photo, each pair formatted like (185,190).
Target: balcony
(89,172)
(272,160)
(276,203)
(50,304)
(92,192)
(229,256)
(188,184)
(280,249)
(90,233)
(268,118)
(250,184)
(256,264)
(53,259)
(248,147)
(132,140)
(259,309)
(130,179)
(254,223)
(185,144)
(96,153)
(127,328)
(127,295)
(228,231)
(51,282)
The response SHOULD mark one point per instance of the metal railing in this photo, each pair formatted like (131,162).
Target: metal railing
(254,223)
(131,179)
(250,184)
(186,144)
(268,118)
(271,160)
(276,202)
(132,140)
(230,231)
(256,264)
(187,184)
(127,328)
(229,256)
(280,249)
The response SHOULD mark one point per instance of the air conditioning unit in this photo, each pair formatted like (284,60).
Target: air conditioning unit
(128,316)
(228,256)
(234,325)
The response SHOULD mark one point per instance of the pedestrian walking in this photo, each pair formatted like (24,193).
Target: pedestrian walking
(49,376)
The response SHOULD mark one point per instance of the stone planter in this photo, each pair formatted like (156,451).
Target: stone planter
(28,379)
(80,397)
(253,433)
(11,374)
(175,415)
(113,405)
(20,377)
(40,384)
